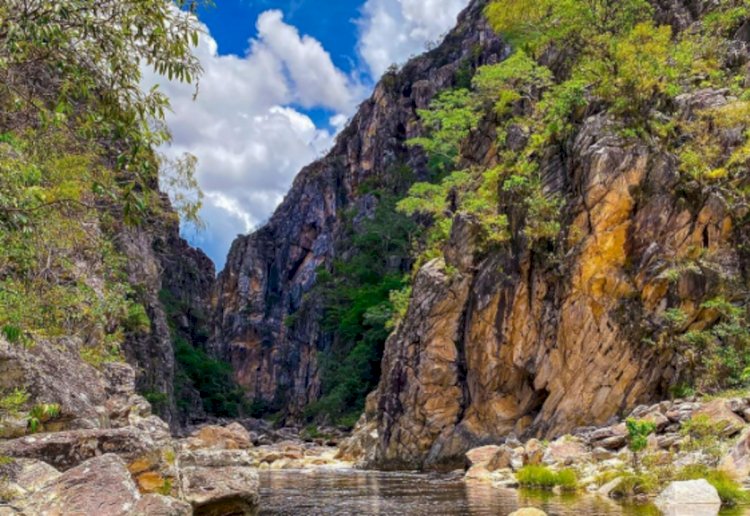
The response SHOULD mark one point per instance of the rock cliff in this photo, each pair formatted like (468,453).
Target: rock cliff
(269,272)
(513,343)
(174,283)
(528,339)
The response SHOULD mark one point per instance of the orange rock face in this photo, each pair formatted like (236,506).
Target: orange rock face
(514,344)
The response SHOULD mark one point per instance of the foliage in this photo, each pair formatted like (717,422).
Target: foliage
(634,484)
(703,435)
(730,491)
(361,297)
(723,348)
(77,63)
(452,115)
(638,432)
(213,379)
(544,478)
(40,414)
(12,403)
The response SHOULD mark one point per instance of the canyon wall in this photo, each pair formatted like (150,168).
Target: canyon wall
(269,272)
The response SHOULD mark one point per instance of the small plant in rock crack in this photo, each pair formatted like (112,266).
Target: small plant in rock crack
(638,432)
(41,414)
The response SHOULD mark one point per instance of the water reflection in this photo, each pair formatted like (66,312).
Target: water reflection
(295,493)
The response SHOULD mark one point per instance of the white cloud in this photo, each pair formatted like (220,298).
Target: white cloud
(249,142)
(393,30)
(249,139)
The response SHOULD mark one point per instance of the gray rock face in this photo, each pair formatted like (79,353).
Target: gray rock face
(268,272)
(159,262)
(689,498)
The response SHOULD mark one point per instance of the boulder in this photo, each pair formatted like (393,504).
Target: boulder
(219,491)
(230,437)
(501,459)
(481,455)
(719,413)
(101,485)
(611,437)
(606,489)
(689,498)
(146,448)
(737,461)
(216,458)
(533,452)
(19,477)
(478,472)
(565,450)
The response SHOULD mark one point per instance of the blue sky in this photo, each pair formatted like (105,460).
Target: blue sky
(332,23)
(281,79)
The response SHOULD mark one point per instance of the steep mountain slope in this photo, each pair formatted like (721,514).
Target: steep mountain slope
(269,273)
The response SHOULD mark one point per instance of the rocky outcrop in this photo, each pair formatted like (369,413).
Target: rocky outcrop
(268,273)
(99,486)
(512,343)
(127,452)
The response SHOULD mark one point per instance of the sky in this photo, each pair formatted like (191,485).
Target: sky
(282,77)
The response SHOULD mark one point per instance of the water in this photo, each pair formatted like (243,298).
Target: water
(364,493)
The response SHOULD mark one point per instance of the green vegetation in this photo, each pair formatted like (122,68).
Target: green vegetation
(635,484)
(41,414)
(703,435)
(12,403)
(212,378)
(724,347)
(362,297)
(638,432)
(543,477)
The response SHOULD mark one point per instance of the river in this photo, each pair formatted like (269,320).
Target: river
(364,493)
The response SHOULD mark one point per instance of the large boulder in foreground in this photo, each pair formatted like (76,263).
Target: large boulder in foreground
(146,447)
(99,486)
(689,498)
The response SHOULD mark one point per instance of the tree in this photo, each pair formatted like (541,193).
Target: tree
(77,64)
(638,432)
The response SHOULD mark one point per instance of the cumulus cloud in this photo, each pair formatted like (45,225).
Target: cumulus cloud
(393,30)
(247,127)
(249,141)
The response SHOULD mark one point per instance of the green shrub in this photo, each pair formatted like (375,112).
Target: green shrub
(212,378)
(543,477)
(638,432)
(12,403)
(40,414)
(634,484)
